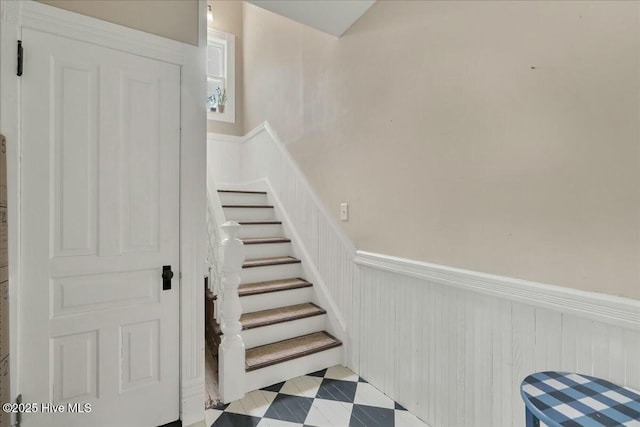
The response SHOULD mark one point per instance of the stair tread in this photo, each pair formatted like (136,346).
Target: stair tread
(260,222)
(242,191)
(282,351)
(261,262)
(247,206)
(256,288)
(272,316)
(259,240)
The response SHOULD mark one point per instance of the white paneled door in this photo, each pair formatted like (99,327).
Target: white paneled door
(100,202)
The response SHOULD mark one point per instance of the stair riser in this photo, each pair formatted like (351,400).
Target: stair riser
(282,331)
(248,214)
(242,199)
(259,378)
(262,230)
(267,250)
(270,300)
(271,272)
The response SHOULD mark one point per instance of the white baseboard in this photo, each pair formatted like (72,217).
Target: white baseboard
(192,408)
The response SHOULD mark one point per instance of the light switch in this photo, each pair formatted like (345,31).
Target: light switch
(344,211)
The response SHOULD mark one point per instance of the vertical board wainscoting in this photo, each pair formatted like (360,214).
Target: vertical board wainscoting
(455,356)
(323,246)
(450,345)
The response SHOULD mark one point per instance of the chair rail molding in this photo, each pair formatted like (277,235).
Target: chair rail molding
(450,345)
(610,309)
(458,343)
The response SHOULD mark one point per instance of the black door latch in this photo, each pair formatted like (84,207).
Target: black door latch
(167,275)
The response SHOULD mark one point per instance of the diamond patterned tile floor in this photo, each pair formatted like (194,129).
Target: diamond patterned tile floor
(334,397)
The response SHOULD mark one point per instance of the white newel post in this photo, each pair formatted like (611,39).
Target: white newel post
(231,350)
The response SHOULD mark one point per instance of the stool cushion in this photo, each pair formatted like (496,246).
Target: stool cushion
(575,400)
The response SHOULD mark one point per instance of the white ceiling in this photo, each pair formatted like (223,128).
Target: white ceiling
(330,16)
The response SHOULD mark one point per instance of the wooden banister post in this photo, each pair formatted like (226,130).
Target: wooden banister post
(231,351)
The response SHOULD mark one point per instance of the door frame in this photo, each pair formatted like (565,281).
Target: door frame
(30,14)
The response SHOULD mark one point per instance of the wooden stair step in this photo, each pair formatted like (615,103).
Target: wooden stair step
(263,262)
(242,191)
(260,240)
(257,288)
(248,206)
(280,315)
(260,222)
(282,351)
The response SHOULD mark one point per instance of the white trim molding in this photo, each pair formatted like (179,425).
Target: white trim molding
(191,406)
(228,42)
(9,126)
(15,16)
(193,224)
(213,137)
(54,20)
(338,324)
(302,180)
(457,343)
(451,345)
(260,160)
(604,308)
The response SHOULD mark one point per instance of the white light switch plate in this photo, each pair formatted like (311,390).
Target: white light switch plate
(344,211)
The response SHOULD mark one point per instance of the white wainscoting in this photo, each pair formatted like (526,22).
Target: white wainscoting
(449,344)
(453,345)
(224,159)
(325,248)
(328,251)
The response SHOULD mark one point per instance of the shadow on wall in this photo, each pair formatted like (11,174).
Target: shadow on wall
(429,116)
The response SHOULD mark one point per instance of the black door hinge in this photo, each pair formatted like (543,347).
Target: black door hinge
(19,57)
(18,414)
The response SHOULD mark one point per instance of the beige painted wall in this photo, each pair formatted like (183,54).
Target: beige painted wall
(501,137)
(173,19)
(227,17)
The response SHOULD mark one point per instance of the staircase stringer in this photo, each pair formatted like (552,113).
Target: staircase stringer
(336,323)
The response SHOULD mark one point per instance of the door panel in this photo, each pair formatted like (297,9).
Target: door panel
(104,291)
(100,203)
(74,123)
(75,360)
(141,166)
(139,354)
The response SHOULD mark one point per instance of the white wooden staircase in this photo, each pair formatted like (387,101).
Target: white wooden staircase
(283,328)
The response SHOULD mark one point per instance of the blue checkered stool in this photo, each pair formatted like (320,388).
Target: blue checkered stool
(561,399)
